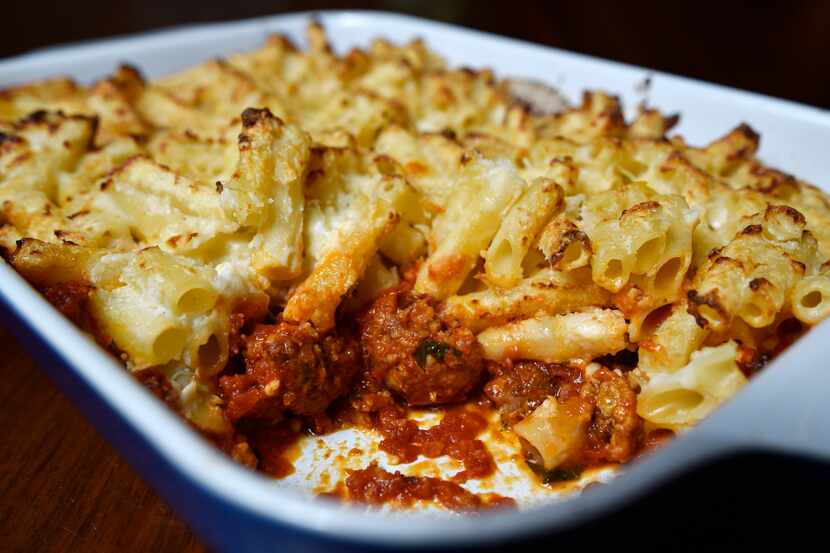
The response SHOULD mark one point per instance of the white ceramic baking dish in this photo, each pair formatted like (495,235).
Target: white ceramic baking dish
(785,408)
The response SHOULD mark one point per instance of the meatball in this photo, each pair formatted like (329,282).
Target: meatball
(519,388)
(410,350)
(290,368)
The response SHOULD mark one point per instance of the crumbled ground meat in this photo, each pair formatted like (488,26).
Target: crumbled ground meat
(518,388)
(245,315)
(456,436)
(368,398)
(236,322)
(411,351)
(290,368)
(616,429)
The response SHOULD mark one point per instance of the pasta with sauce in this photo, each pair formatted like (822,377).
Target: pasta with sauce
(286,240)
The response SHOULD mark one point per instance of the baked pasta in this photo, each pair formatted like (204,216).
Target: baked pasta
(286,241)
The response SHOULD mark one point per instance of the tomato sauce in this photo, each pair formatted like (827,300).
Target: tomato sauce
(455,436)
(276,447)
(376,486)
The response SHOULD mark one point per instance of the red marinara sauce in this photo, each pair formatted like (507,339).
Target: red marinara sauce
(454,436)
(376,486)
(277,447)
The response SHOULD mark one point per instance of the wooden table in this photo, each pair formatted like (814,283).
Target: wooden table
(62,487)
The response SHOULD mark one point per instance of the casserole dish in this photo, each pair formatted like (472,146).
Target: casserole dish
(236,510)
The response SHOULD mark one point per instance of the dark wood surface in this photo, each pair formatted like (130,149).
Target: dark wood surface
(62,487)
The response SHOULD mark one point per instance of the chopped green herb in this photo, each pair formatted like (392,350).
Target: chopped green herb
(429,347)
(562,475)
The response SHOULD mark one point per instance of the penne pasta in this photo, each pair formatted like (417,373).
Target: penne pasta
(546,292)
(557,338)
(503,260)
(266,195)
(681,398)
(484,193)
